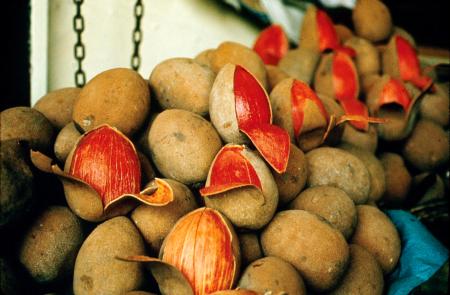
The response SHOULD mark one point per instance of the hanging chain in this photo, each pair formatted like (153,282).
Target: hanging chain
(79,49)
(137,35)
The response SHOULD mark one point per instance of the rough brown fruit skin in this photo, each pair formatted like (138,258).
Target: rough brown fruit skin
(183,145)
(250,247)
(323,77)
(364,140)
(377,234)
(50,246)
(182,83)
(65,141)
(338,168)
(235,53)
(57,106)
(434,107)
(118,97)
(364,274)
(24,123)
(275,75)
(324,251)
(291,182)
(398,178)
(428,146)
(16,182)
(344,33)
(300,63)
(97,269)
(331,203)
(375,168)
(372,20)
(367,55)
(272,274)
(204,57)
(309,38)
(154,223)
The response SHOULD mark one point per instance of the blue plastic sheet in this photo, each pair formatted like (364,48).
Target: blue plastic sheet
(422,254)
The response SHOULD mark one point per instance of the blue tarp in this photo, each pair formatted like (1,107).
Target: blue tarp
(422,254)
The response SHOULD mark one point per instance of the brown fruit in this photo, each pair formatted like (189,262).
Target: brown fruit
(398,179)
(275,75)
(377,234)
(372,20)
(331,203)
(367,55)
(338,168)
(57,106)
(364,274)
(435,107)
(364,140)
(65,141)
(118,97)
(272,275)
(300,63)
(182,83)
(250,247)
(24,123)
(49,248)
(344,33)
(317,250)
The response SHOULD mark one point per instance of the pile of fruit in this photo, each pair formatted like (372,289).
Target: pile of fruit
(240,171)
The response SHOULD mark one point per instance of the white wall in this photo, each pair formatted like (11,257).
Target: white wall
(171,28)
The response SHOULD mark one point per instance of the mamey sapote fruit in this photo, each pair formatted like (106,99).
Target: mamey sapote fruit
(97,269)
(50,246)
(398,179)
(272,274)
(291,182)
(57,106)
(204,57)
(428,146)
(238,54)
(367,55)
(182,83)
(339,168)
(183,145)
(24,123)
(372,20)
(367,140)
(16,182)
(377,234)
(300,63)
(65,141)
(434,107)
(275,75)
(154,223)
(344,33)
(331,203)
(119,97)
(364,274)
(250,247)
(315,248)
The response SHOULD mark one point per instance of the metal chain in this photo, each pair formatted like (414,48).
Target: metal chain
(137,35)
(79,49)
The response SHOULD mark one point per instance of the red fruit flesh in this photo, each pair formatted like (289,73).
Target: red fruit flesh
(108,162)
(230,169)
(394,92)
(328,38)
(254,117)
(345,77)
(271,44)
(300,93)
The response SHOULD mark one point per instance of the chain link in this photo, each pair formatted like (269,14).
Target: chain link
(79,50)
(137,35)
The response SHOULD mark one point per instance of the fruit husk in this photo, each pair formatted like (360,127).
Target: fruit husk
(300,63)
(229,170)
(271,44)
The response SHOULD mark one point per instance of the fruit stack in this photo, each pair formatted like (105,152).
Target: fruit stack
(240,171)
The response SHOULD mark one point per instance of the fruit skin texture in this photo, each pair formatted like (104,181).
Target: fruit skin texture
(50,247)
(364,274)
(272,274)
(372,20)
(324,251)
(339,168)
(119,97)
(398,179)
(97,269)
(183,145)
(377,234)
(209,256)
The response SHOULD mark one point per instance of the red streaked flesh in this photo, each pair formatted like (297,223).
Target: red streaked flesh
(108,162)
(271,44)
(200,246)
(345,77)
(272,142)
(328,38)
(394,92)
(300,93)
(230,170)
(358,110)
(252,103)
